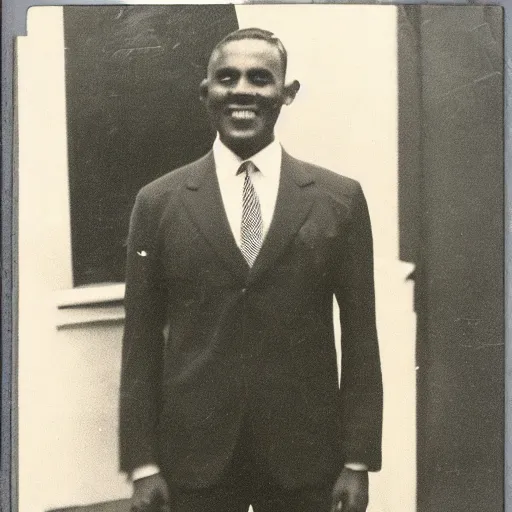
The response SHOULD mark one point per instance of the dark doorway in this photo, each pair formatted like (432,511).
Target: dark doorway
(133,114)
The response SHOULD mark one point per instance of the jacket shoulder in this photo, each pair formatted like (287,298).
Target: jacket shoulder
(168,184)
(328,180)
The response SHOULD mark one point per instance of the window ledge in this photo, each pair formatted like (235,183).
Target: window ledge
(98,295)
(96,304)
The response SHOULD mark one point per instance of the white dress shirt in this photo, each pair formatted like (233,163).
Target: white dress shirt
(266,185)
(265,182)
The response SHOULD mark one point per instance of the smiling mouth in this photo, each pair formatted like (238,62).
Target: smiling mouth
(242,114)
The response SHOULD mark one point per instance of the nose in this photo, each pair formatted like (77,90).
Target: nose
(244,87)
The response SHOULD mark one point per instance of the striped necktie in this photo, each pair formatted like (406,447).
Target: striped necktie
(251,227)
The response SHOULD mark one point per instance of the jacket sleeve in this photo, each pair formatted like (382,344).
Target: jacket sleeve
(141,365)
(361,379)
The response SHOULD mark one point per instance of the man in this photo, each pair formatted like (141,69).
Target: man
(229,393)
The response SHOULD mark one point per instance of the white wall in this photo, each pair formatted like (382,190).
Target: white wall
(68,378)
(344,119)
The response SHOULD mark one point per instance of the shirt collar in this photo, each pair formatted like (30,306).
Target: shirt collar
(268,160)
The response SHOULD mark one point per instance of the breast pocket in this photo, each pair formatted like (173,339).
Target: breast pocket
(313,245)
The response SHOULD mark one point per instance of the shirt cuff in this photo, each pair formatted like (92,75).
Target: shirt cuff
(145,471)
(356,466)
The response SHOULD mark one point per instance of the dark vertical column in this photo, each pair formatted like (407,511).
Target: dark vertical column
(459,254)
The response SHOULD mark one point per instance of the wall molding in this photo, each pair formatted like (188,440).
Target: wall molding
(89,305)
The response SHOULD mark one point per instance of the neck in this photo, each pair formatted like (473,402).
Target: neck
(246,150)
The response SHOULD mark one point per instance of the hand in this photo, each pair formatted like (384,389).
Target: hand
(150,494)
(350,492)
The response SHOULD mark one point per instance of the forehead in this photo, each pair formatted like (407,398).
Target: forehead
(247,54)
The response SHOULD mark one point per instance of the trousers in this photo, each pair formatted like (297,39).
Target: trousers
(246,482)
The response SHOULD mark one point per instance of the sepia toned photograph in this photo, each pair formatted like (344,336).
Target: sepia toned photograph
(260,258)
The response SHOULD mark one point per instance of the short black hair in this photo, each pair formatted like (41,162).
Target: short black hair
(255,33)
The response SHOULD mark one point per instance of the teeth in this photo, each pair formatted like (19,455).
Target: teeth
(243,114)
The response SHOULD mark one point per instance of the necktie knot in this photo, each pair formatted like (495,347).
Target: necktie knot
(247,167)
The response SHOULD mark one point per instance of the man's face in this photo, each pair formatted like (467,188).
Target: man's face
(244,93)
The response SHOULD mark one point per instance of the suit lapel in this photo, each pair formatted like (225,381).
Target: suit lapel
(294,201)
(203,199)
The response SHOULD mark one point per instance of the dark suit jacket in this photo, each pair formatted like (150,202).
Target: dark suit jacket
(208,339)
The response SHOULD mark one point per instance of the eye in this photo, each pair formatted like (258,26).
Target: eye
(226,77)
(261,77)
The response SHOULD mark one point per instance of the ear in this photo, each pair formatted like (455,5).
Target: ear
(290,91)
(203,90)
